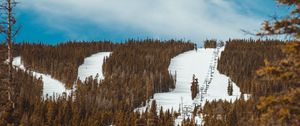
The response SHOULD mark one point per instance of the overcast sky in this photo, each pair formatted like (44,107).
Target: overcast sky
(55,21)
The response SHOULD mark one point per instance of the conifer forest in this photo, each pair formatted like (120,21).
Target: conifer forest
(161,80)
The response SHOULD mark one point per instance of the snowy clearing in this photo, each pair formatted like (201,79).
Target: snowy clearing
(185,65)
(212,84)
(92,66)
(51,86)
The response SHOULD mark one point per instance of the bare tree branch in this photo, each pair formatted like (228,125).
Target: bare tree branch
(7,27)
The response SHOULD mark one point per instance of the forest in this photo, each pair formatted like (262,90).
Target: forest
(210,43)
(110,101)
(141,69)
(267,71)
(241,58)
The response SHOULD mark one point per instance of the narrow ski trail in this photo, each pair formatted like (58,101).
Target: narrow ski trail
(92,66)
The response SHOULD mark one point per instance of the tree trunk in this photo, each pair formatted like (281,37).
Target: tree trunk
(10,53)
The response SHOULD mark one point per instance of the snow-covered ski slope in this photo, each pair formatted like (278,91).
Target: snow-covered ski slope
(202,63)
(91,67)
(218,86)
(198,63)
(185,65)
(51,86)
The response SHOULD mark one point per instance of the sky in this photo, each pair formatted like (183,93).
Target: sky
(56,21)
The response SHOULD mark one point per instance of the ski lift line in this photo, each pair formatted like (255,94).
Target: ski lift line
(207,82)
(187,110)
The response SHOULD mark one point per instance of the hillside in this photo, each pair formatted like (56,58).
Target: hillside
(150,63)
(110,91)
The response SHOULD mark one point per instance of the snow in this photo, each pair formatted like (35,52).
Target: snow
(51,86)
(218,87)
(185,65)
(202,63)
(92,66)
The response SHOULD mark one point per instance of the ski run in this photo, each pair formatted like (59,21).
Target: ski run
(201,62)
(213,85)
(92,66)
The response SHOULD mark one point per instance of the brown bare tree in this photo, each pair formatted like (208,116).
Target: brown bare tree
(7,27)
(288,25)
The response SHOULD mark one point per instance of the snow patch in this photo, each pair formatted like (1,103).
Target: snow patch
(92,66)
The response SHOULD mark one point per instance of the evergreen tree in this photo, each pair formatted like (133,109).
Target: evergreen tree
(153,118)
(194,87)
(229,87)
(210,43)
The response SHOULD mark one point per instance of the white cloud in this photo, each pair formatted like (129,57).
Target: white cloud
(194,20)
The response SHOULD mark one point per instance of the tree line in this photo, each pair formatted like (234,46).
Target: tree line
(241,58)
(210,43)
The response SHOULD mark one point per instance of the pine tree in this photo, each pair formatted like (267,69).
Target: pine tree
(194,87)
(153,118)
(229,87)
